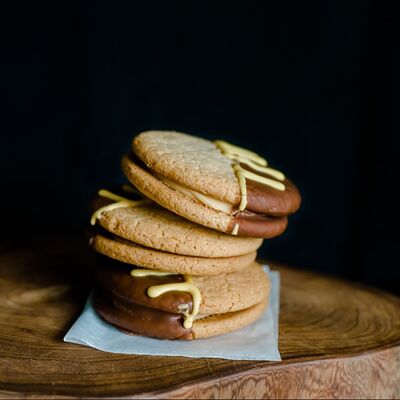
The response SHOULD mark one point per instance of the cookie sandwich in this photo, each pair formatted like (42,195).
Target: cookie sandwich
(214,184)
(169,305)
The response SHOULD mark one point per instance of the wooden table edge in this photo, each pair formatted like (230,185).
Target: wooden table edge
(269,368)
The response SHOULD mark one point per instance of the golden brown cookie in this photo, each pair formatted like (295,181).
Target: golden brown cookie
(135,319)
(174,306)
(154,227)
(207,167)
(243,223)
(219,293)
(134,254)
(215,184)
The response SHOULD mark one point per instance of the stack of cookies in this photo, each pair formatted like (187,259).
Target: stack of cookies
(177,244)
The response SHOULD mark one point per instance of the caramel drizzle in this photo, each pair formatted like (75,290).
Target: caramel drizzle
(239,156)
(187,286)
(120,202)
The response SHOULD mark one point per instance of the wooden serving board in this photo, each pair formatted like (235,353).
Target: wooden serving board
(336,339)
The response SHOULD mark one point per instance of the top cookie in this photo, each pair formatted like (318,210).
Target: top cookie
(208,168)
(215,184)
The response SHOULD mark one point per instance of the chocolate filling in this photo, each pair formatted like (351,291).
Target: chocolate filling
(114,276)
(256,225)
(138,319)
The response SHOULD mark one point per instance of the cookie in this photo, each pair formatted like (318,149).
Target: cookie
(135,254)
(241,289)
(154,227)
(242,223)
(182,307)
(136,319)
(207,167)
(215,184)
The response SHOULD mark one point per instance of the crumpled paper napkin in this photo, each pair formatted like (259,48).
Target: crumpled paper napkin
(258,341)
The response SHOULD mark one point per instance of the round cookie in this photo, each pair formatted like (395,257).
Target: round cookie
(202,328)
(207,167)
(154,227)
(232,187)
(241,289)
(134,254)
(250,224)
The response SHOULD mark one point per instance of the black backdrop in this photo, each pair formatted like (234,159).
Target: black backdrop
(314,86)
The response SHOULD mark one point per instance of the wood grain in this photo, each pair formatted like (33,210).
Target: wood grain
(336,339)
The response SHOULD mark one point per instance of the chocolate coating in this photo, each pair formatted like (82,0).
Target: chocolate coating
(264,199)
(138,319)
(114,276)
(258,225)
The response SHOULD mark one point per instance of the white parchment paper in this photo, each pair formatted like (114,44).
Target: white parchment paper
(258,341)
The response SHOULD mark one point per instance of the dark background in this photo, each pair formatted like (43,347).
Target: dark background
(313,86)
